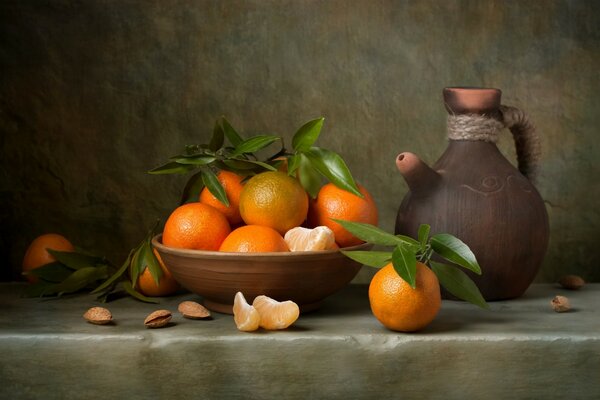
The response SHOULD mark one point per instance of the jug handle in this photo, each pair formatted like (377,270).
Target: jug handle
(527,141)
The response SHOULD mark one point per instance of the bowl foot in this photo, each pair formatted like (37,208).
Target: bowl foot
(218,307)
(304,308)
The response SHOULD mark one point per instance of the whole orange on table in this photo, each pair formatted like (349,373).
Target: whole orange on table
(274,199)
(166,285)
(400,307)
(36,254)
(254,239)
(196,226)
(232,183)
(333,202)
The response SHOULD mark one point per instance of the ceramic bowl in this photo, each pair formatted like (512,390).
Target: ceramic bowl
(303,277)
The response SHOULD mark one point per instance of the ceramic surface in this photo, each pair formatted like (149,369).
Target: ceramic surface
(304,277)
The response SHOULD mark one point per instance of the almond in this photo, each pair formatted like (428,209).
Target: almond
(158,319)
(560,304)
(193,310)
(572,282)
(98,316)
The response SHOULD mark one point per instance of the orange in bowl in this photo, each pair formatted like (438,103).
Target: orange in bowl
(196,226)
(254,239)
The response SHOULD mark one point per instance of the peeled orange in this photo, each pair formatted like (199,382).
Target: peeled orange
(246,317)
(274,314)
(305,239)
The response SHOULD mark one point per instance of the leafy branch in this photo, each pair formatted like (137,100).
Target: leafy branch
(70,273)
(73,272)
(408,251)
(140,257)
(309,163)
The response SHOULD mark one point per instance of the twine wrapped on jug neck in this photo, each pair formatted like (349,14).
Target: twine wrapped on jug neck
(476,127)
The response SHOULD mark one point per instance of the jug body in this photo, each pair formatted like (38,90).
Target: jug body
(481,198)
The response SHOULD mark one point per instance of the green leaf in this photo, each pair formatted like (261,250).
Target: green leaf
(253,144)
(376,259)
(194,149)
(218,137)
(116,275)
(233,137)
(193,188)
(307,135)
(264,165)
(137,264)
(239,165)
(333,167)
(409,241)
(423,234)
(405,264)
(214,186)
(195,160)
(458,283)
(54,272)
(151,262)
(454,250)
(109,294)
(373,234)
(134,293)
(171,168)
(254,163)
(79,279)
(293,163)
(76,260)
(309,177)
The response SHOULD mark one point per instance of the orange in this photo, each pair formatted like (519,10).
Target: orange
(245,316)
(166,285)
(195,226)
(254,239)
(232,183)
(274,199)
(36,254)
(400,307)
(305,239)
(333,202)
(274,314)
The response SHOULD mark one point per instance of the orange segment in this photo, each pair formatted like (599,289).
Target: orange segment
(305,239)
(246,317)
(274,314)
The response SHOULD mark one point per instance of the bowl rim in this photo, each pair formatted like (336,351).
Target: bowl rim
(271,256)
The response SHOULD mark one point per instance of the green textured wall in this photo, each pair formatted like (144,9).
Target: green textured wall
(94,93)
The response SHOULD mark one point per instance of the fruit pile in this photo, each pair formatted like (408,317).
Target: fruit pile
(270,212)
(237,203)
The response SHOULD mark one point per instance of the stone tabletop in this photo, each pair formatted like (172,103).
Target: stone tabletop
(517,349)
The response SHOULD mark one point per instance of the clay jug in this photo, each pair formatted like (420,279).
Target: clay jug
(476,194)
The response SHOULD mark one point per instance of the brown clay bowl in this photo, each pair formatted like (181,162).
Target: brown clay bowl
(303,277)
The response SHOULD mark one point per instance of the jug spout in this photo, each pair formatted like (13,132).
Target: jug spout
(418,175)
